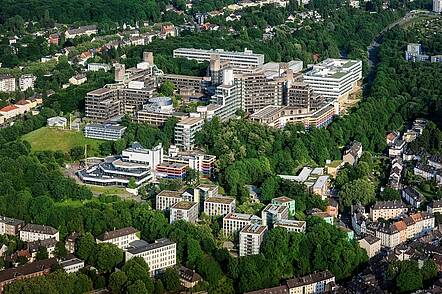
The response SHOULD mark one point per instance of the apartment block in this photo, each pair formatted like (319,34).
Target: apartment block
(10,226)
(26,82)
(233,222)
(159,255)
(104,131)
(72,265)
(166,199)
(185,131)
(335,79)
(301,95)
(387,209)
(412,197)
(371,244)
(250,239)
(273,213)
(7,83)
(285,201)
(318,282)
(219,205)
(437,6)
(291,225)
(102,104)
(240,61)
(120,238)
(184,210)
(435,206)
(34,232)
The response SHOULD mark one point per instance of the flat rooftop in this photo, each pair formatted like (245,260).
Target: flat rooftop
(190,121)
(185,205)
(170,193)
(221,199)
(254,229)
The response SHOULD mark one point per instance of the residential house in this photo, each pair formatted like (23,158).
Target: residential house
(435,206)
(120,238)
(34,232)
(72,265)
(371,244)
(188,278)
(353,153)
(315,283)
(428,172)
(78,79)
(412,197)
(387,209)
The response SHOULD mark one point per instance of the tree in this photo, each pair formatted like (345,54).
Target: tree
(171,280)
(132,184)
(429,270)
(191,175)
(360,190)
(119,145)
(137,288)
(86,248)
(42,253)
(137,269)
(194,252)
(108,257)
(390,194)
(167,89)
(158,287)
(77,153)
(117,281)
(60,250)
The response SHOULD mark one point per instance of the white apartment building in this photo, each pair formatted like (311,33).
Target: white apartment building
(185,131)
(184,210)
(239,61)
(98,67)
(136,153)
(250,239)
(72,265)
(291,225)
(437,6)
(387,209)
(233,222)
(389,236)
(318,282)
(26,82)
(7,83)
(158,256)
(33,232)
(335,78)
(166,199)
(273,213)
(120,238)
(204,191)
(219,205)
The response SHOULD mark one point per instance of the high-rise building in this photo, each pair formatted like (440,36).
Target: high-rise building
(301,95)
(437,6)
(185,131)
(184,210)
(234,222)
(250,239)
(7,83)
(102,104)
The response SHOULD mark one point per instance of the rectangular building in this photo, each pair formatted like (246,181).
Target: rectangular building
(185,131)
(272,213)
(233,222)
(184,210)
(7,83)
(250,239)
(102,104)
(291,225)
(120,238)
(167,198)
(387,209)
(219,205)
(34,232)
(318,282)
(371,244)
(159,255)
(10,226)
(104,131)
(26,82)
(285,201)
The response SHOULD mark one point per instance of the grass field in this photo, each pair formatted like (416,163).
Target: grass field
(57,139)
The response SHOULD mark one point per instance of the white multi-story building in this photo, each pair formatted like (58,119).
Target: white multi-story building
(158,256)
(184,210)
(250,239)
(234,222)
(219,205)
(167,198)
(98,67)
(26,82)
(387,209)
(7,83)
(72,265)
(318,282)
(136,153)
(291,225)
(239,61)
(104,131)
(437,6)
(33,232)
(335,78)
(120,238)
(185,132)
(273,213)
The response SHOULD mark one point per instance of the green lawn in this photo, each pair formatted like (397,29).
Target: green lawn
(57,139)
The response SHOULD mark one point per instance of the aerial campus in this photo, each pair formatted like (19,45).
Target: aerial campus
(259,147)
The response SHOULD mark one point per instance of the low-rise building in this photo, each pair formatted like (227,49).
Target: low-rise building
(57,122)
(233,222)
(72,265)
(291,225)
(283,289)
(120,238)
(81,31)
(34,232)
(424,170)
(98,66)
(273,213)
(184,210)
(167,198)
(219,205)
(412,197)
(189,278)
(27,271)
(10,226)
(318,282)
(435,206)
(159,255)
(371,244)
(285,201)
(250,239)
(78,79)
(34,246)
(387,209)
(352,154)
(104,131)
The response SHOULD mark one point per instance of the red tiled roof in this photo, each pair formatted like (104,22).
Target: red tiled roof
(8,108)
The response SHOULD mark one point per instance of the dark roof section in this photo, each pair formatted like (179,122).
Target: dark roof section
(309,279)
(147,247)
(189,275)
(42,229)
(389,204)
(27,269)
(11,221)
(275,290)
(117,233)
